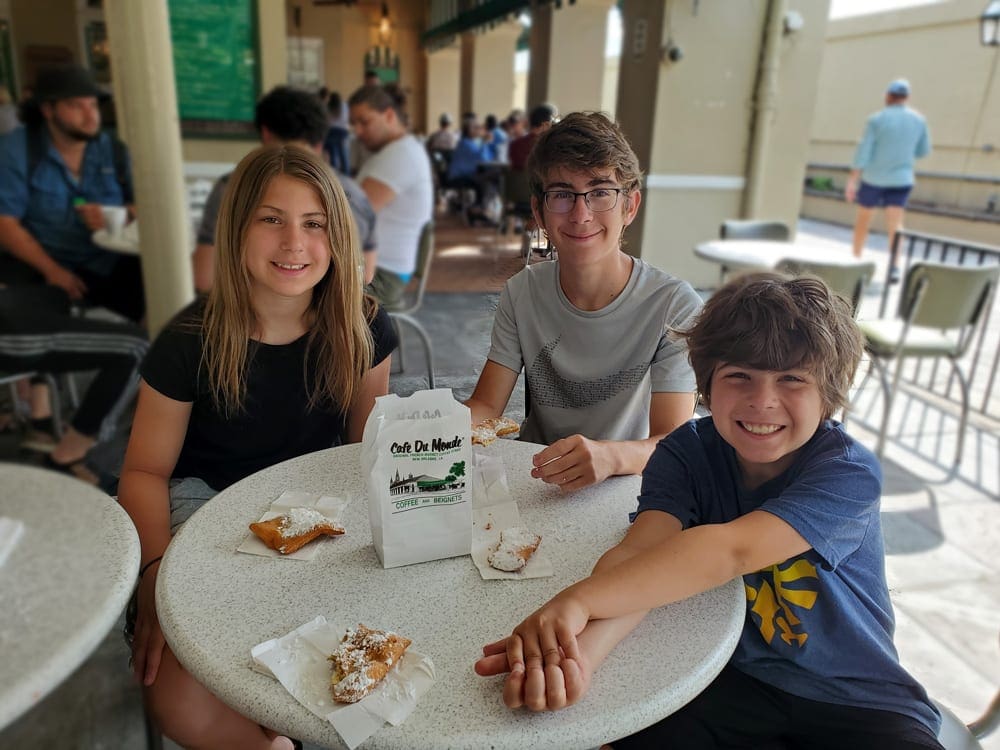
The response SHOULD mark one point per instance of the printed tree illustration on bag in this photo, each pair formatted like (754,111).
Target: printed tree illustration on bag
(424,483)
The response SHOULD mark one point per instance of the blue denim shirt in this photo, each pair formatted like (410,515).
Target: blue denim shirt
(46,208)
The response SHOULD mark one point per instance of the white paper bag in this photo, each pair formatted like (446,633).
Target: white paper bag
(417,456)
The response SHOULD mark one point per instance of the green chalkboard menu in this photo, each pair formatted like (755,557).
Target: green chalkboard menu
(215,65)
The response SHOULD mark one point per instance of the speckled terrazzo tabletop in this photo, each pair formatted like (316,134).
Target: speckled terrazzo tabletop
(216,604)
(64,584)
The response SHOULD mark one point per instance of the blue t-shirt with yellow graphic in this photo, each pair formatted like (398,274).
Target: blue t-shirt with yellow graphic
(818,625)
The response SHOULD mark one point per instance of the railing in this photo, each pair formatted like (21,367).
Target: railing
(983,358)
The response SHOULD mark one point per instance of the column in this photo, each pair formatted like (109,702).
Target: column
(443,71)
(576,55)
(144,73)
(689,102)
(493,69)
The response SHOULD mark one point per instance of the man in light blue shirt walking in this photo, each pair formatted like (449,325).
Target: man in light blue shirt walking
(894,138)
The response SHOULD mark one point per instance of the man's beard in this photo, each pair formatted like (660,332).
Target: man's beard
(75,133)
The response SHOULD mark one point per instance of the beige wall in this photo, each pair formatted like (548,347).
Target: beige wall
(348,32)
(956,85)
(697,161)
(442,85)
(493,69)
(43,22)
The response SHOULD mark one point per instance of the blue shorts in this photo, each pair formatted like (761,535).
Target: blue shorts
(871,196)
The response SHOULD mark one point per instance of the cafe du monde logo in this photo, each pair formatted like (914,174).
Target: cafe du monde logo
(411,485)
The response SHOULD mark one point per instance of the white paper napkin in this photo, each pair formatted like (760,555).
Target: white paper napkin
(487,523)
(331,507)
(11,529)
(299,662)
(489,481)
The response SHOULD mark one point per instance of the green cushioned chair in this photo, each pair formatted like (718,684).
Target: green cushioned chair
(939,309)
(848,280)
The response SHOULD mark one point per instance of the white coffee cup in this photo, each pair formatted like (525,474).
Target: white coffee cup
(114,219)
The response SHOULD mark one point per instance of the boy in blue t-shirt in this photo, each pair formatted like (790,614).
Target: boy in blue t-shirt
(768,488)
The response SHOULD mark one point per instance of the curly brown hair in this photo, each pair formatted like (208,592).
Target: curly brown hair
(771,321)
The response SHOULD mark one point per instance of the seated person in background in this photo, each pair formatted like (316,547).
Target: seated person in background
(444,138)
(540,120)
(496,139)
(463,171)
(397,180)
(285,357)
(517,124)
(771,489)
(337,135)
(38,332)
(603,379)
(285,115)
(55,174)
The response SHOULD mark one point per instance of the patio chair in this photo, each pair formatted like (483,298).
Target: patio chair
(846,280)
(10,379)
(939,308)
(954,735)
(425,254)
(753,229)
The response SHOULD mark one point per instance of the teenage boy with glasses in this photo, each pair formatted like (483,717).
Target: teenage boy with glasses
(604,378)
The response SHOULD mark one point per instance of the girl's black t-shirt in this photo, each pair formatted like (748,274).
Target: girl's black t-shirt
(275,423)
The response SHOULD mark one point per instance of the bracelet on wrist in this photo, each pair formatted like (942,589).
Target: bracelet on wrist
(147,566)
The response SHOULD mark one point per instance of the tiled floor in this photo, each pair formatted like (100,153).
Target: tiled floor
(941,536)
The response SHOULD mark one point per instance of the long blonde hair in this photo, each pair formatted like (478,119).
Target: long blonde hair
(340,341)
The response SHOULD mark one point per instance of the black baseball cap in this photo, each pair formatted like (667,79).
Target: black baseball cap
(65,82)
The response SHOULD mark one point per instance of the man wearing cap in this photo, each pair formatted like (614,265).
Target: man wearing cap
(894,138)
(55,174)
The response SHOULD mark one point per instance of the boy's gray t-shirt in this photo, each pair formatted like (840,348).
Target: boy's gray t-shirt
(593,373)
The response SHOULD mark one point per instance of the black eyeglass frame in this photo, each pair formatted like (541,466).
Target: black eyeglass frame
(618,191)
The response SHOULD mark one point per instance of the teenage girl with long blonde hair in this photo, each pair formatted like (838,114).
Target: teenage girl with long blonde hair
(285,357)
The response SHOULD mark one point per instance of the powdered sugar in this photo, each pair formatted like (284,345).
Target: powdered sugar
(299,521)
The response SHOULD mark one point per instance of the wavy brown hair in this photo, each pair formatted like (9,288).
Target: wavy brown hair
(770,321)
(585,142)
(339,349)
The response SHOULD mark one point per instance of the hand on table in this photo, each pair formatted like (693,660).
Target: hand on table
(547,669)
(67,281)
(147,648)
(91,215)
(573,462)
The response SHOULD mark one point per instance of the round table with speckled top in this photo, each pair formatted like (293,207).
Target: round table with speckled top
(64,583)
(216,604)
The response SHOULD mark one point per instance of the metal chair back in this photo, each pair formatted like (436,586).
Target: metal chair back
(942,296)
(848,280)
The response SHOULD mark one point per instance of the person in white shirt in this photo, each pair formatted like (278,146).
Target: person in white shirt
(397,180)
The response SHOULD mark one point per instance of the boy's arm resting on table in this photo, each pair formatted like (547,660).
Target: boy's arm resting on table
(492,392)
(687,563)
(549,687)
(577,461)
(375,383)
(19,242)
(158,431)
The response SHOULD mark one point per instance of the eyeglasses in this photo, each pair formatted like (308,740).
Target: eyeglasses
(597,200)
